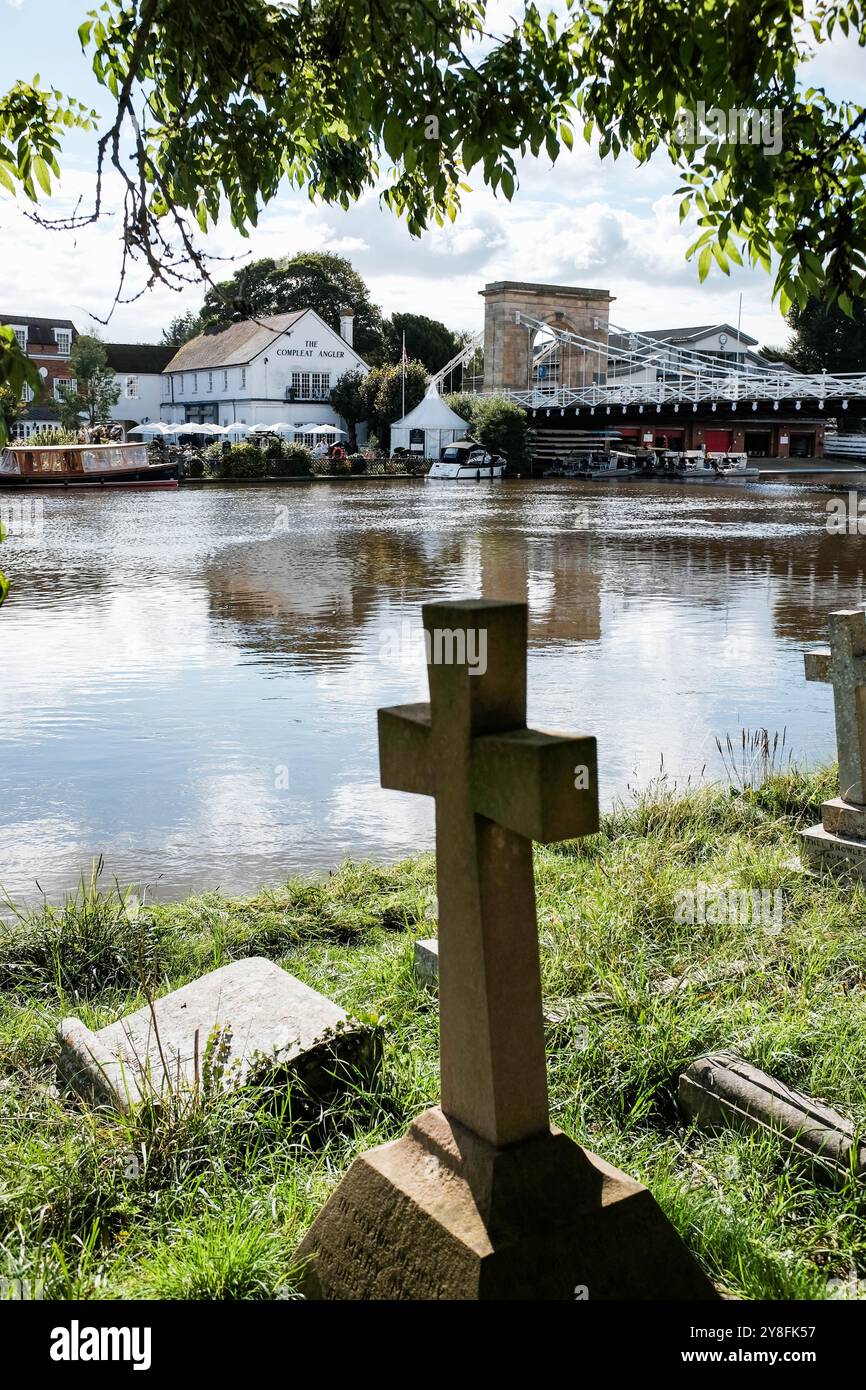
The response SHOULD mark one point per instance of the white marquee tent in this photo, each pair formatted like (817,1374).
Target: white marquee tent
(429,427)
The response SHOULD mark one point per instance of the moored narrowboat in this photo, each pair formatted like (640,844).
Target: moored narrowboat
(83,465)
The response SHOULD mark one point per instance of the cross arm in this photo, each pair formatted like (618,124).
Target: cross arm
(541,786)
(404,749)
(817,664)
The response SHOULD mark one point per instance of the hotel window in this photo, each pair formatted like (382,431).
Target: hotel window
(63,339)
(28,394)
(166,387)
(321,387)
(21,338)
(64,386)
(225,381)
(210,383)
(243,377)
(182,383)
(301,385)
(195,381)
(131,389)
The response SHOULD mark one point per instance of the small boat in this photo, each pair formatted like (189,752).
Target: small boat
(467,461)
(694,465)
(613,463)
(734,466)
(83,465)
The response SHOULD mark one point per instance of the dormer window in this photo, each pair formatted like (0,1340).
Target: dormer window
(21,337)
(63,339)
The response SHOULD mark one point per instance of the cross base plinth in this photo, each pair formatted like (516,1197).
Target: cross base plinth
(442,1214)
(826,852)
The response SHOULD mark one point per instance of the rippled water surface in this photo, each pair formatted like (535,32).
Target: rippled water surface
(190,680)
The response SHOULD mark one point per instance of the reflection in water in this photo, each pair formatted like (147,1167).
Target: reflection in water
(190,681)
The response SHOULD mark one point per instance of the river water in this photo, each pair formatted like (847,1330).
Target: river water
(190,679)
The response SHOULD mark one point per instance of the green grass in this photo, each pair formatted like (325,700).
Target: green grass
(209,1201)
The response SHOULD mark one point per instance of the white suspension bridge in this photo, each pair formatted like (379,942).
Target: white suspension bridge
(635,371)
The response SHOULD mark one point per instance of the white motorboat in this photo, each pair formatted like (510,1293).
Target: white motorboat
(467,461)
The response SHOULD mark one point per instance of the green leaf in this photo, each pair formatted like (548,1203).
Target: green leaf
(40,169)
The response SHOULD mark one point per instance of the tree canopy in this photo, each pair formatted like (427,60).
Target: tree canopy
(825,339)
(427,340)
(96,386)
(217,106)
(318,280)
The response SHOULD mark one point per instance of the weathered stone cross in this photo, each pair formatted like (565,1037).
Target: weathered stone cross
(482,1198)
(498,786)
(843,664)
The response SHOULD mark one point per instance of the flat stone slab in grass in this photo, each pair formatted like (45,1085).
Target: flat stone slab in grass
(271,1021)
(722,1089)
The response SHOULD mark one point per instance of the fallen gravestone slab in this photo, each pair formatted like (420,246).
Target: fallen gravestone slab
(268,1022)
(722,1089)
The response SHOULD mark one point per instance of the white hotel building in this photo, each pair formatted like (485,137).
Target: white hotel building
(275,370)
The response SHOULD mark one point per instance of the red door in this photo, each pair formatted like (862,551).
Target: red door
(717,441)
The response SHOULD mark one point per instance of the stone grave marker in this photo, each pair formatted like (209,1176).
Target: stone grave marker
(271,1023)
(482,1198)
(722,1090)
(838,844)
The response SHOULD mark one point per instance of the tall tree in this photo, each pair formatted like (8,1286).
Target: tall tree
(825,339)
(348,399)
(318,280)
(427,340)
(384,391)
(181,329)
(16,372)
(96,387)
(220,105)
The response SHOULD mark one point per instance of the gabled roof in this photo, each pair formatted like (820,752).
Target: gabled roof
(138,357)
(39,330)
(431,414)
(235,346)
(688,335)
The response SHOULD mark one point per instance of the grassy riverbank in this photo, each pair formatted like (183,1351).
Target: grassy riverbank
(211,1203)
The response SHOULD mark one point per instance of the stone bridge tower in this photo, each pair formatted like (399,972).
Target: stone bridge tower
(507,344)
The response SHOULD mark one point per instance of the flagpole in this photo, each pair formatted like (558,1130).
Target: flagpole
(403,368)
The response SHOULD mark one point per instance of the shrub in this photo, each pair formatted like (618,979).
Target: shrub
(500,425)
(214,458)
(245,461)
(357,463)
(294,461)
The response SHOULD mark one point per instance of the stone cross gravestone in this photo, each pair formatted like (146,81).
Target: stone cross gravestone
(839,842)
(482,1198)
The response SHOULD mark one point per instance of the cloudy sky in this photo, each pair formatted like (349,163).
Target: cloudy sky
(609,225)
